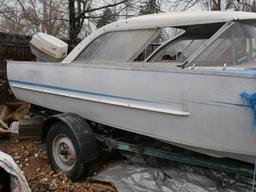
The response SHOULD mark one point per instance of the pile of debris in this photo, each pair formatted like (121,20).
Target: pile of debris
(32,158)
(16,121)
(19,137)
(10,115)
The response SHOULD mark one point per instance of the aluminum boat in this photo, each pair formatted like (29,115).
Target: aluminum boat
(195,90)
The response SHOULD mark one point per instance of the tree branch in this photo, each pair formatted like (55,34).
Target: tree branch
(103,7)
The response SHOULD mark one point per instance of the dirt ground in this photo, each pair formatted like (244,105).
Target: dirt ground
(31,157)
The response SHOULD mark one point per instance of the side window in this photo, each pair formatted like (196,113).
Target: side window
(121,46)
(177,51)
(236,46)
(183,42)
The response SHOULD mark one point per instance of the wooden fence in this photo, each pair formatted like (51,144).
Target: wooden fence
(12,47)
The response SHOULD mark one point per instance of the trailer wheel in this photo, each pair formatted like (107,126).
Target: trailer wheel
(63,151)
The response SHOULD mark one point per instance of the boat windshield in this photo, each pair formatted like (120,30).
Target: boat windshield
(118,46)
(181,48)
(234,47)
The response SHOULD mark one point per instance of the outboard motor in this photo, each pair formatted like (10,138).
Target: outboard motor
(48,48)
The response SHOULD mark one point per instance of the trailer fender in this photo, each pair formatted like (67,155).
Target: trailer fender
(82,131)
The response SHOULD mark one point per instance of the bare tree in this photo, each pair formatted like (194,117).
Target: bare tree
(187,4)
(214,5)
(80,10)
(58,17)
(246,5)
(31,16)
(150,7)
(106,18)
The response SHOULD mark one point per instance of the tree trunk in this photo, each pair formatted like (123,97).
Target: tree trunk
(73,31)
(216,5)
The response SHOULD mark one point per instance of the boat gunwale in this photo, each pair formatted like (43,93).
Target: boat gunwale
(240,72)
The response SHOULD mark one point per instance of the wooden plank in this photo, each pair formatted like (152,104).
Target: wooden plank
(30,128)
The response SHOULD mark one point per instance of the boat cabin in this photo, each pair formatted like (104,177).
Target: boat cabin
(184,39)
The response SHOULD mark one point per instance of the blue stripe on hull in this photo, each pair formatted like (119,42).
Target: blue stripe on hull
(211,103)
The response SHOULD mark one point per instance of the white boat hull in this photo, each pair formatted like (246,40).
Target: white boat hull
(196,109)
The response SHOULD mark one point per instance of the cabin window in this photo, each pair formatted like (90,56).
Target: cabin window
(236,46)
(178,51)
(163,37)
(182,45)
(120,46)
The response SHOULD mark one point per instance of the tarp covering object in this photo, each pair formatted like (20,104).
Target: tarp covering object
(140,177)
(18,182)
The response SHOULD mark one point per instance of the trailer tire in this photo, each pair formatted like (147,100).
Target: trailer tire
(64,153)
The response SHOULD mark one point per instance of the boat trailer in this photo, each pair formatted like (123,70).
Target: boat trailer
(109,143)
(218,164)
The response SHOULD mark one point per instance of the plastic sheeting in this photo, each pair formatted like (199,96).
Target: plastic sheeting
(141,177)
(18,181)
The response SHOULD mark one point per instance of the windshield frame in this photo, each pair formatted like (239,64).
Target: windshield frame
(205,45)
(163,45)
